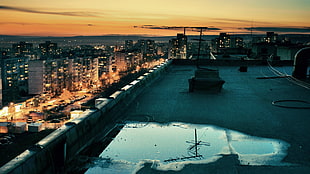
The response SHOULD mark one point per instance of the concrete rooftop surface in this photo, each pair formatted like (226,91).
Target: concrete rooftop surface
(244,104)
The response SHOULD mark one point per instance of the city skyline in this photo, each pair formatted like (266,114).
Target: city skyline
(137,17)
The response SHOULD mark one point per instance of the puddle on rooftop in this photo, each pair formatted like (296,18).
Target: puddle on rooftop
(170,147)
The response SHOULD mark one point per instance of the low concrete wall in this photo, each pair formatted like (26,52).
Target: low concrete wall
(51,154)
(231,62)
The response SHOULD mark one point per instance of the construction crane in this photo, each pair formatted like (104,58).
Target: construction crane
(199,42)
(193,28)
(174,28)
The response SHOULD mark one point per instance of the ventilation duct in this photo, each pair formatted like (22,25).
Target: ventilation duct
(301,62)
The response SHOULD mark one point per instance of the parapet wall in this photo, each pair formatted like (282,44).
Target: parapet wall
(231,62)
(51,154)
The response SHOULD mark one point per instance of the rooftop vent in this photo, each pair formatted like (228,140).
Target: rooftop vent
(301,62)
(206,79)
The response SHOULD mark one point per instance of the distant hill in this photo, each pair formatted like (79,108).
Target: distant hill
(7,40)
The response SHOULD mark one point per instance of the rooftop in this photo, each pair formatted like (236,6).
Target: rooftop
(245,104)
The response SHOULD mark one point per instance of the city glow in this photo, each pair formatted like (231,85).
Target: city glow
(4,111)
(18,108)
(102,17)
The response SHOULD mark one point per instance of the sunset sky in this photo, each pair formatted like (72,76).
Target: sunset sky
(105,17)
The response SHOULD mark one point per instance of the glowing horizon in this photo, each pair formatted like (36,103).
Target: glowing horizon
(101,17)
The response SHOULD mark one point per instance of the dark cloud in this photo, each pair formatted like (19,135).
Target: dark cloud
(27,24)
(239,21)
(154,27)
(81,14)
(232,20)
(281,29)
(214,29)
(20,23)
(159,27)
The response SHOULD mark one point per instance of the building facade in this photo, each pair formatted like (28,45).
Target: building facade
(14,73)
(48,50)
(178,47)
(22,49)
(53,76)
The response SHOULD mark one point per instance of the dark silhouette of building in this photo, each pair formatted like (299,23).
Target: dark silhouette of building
(128,45)
(227,44)
(178,47)
(22,48)
(48,50)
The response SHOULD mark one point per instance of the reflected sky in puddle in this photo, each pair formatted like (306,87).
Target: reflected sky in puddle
(172,146)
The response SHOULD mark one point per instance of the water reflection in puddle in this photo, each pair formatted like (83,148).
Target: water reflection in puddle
(172,146)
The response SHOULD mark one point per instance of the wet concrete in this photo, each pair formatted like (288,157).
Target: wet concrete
(172,146)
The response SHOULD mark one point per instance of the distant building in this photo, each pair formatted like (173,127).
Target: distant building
(271,37)
(162,49)
(224,40)
(90,73)
(14,72)
(271,46)
(237,42)
(53,76)
(45,77)
(118,62)
(74,73)
(147,48)
(134,60)
(103,64)
(48,50)
(178,47)
(227,44)
(80,73)
(36,77)
(22,48)
(221,43)
(128,45)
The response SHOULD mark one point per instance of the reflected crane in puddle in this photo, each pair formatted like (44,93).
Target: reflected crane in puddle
(192,150)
